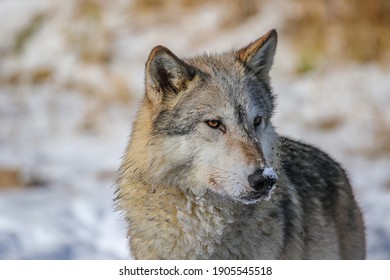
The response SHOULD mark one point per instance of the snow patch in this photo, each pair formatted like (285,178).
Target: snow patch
(270,173)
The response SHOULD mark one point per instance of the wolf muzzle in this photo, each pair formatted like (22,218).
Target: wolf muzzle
(262,181)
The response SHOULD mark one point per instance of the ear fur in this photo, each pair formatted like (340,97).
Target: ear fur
(258,56)
(166,74)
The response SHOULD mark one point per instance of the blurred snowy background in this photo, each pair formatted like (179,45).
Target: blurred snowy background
(71,76)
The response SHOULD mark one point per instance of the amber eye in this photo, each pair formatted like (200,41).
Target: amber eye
(214,124)
(257,121)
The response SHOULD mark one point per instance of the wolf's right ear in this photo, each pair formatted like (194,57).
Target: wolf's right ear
(258,56)
(166,74)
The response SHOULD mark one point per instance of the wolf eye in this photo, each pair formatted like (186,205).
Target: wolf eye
(215,124)
(257,121)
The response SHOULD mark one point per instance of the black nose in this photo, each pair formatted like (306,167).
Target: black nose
(260,182)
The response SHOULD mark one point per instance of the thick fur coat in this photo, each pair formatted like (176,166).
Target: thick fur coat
(206,176)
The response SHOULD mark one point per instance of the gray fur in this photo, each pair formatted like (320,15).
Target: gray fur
(203,159)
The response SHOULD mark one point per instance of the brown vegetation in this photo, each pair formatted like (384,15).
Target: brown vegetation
(347,30)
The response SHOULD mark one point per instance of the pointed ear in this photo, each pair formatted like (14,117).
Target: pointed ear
(259,55)
(166,74)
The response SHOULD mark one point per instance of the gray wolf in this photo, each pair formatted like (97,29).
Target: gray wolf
(206,176)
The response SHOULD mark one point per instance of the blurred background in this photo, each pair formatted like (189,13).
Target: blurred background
(72,75)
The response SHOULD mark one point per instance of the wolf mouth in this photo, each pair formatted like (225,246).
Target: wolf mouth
(257,196)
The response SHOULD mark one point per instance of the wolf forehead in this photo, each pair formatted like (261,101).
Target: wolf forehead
(224,77)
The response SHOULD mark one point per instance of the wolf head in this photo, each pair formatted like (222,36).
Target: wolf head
(208,120)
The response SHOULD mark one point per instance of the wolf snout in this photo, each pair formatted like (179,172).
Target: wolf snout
(262,179)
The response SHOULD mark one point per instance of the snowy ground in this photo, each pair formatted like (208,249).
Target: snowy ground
(68,142)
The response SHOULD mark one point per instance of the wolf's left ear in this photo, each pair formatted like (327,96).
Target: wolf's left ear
(166,74)
(258,56)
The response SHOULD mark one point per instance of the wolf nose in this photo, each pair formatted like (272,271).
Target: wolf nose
(260,181)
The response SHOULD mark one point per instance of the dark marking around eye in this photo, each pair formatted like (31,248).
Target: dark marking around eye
(257,121)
